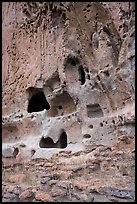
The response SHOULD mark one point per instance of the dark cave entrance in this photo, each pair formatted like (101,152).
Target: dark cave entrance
(38,102)
(63,140)
(81,75)
(48,142)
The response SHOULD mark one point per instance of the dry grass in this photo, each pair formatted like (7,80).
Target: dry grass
(19,175)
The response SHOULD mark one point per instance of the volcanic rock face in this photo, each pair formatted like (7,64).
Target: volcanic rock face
(68,77)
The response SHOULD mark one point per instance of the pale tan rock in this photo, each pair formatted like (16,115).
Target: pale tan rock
(68,77)
(40,196)
(27,194)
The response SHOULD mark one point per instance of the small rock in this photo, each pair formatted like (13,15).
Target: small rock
(80,185)
(25,195)
(55,176)
(41,164)
(85,198)
(75,169)
(64,184)
(119,152)
(45,180)
(10,197)
(58,191)
(65,175)
(52,182)
(43,197)
(93,190)
(16,189)
(48,164)
(120,193)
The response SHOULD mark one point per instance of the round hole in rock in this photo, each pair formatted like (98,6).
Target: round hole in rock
(78,51)
(38,103)
(113,121)
(91,126)
(60,107)
(101,124)
(15,152)
(87,136)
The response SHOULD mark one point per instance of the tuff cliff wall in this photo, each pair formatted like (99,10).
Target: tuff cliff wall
(68,77)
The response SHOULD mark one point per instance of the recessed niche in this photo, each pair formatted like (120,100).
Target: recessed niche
(74,71)
(15,152)
(48,142)
(94,111)
(37,100)
(81,75)
(72,60)
(61,105)
(86,136)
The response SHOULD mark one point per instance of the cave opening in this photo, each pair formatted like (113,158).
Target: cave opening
(48,142)
(38,102)
(81,75)
(72,60)
(63,140)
